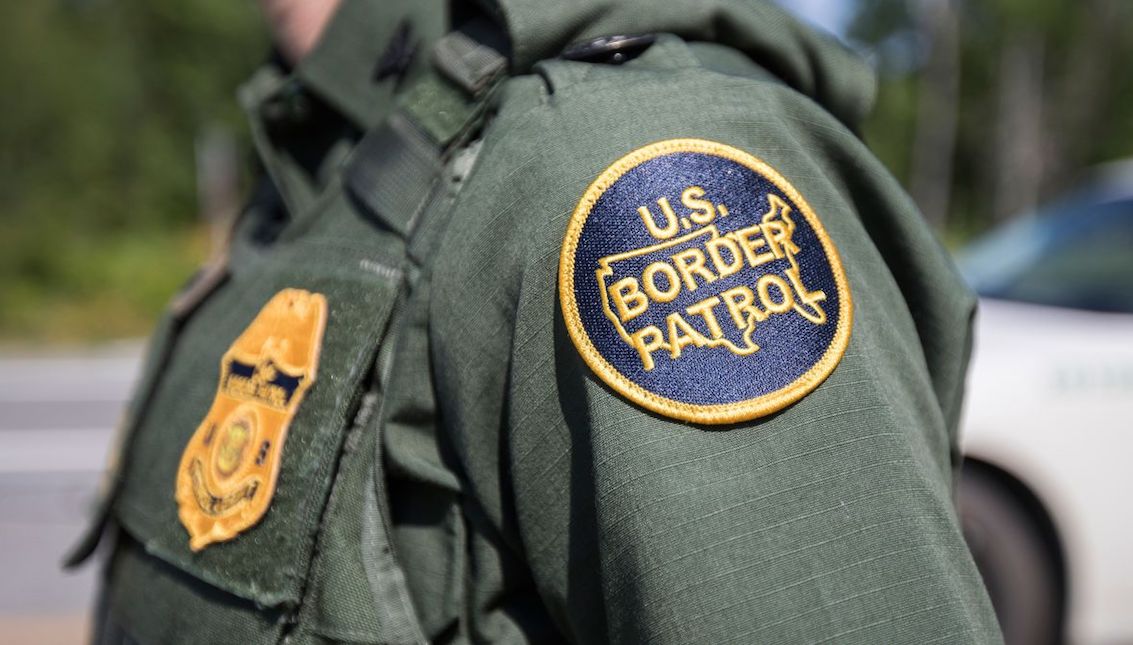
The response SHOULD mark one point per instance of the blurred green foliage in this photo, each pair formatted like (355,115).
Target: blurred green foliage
(1042,95)
(98,206)
(1003,103)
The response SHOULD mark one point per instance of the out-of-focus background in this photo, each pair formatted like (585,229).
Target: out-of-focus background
(122,150)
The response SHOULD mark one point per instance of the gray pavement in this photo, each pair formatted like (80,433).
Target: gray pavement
(57,414)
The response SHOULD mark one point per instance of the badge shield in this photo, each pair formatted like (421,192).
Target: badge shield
(228,471)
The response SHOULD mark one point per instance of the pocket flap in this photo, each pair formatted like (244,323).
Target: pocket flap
(233,384)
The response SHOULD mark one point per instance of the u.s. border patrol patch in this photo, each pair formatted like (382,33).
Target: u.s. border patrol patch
(697,282)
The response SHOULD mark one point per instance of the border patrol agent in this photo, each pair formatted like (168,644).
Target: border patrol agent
(536,333)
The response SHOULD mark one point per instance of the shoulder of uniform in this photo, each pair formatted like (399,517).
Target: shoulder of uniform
(557,129)
(697,232)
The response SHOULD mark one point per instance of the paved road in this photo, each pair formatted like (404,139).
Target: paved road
(57,414)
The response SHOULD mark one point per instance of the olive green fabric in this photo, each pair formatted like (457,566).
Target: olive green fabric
(457,472)
(809,61)
(831,520)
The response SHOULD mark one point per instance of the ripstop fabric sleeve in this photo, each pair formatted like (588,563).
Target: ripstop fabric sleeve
(831,520)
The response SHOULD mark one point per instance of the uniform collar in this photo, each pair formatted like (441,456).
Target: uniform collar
(345,69)
(304,119)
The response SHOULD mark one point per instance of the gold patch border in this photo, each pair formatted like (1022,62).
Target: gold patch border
(721,413)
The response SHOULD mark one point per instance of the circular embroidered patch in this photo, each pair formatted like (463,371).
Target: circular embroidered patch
(698,283)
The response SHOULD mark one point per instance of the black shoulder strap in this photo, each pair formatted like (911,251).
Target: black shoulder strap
(394,173)
(394,168)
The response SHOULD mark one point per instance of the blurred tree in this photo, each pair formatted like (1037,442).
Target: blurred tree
(988,108)
(930,177)
(97,190)
(985,108)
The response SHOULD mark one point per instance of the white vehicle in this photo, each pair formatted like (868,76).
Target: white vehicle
(1047,492)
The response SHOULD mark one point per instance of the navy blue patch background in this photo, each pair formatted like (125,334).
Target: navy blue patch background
(789,344)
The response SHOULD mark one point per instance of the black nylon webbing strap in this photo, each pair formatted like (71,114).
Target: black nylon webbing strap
(394,168)
(395,172)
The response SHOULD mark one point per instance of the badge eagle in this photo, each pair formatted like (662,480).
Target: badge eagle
(228,471)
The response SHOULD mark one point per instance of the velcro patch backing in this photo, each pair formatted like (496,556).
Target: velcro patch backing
(698,283)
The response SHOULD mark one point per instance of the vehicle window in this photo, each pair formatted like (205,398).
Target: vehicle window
(991,263)
(1089,266)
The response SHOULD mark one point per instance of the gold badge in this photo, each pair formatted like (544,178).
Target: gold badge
(228,471)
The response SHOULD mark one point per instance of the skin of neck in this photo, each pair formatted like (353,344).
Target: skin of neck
(296,25)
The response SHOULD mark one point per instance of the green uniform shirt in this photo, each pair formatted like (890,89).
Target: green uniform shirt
(456,470)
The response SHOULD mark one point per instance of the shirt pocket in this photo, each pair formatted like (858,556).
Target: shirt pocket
(263,569)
